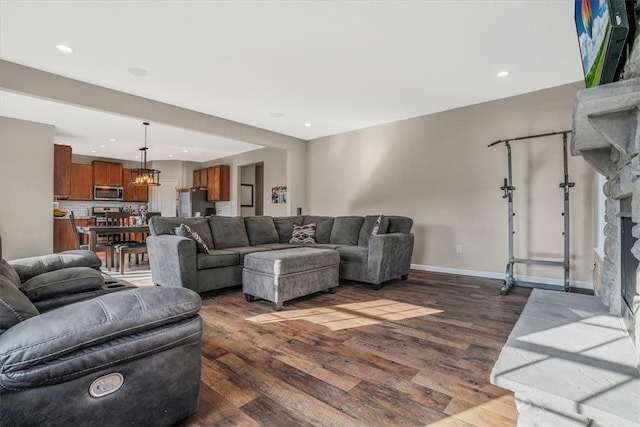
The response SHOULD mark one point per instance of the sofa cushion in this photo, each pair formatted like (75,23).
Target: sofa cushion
(324,224)
(261,230)
(217,258)
(244,250)
(284,226)
(277,246)
(399,224)
(185,231)
(159,225)
(71,280)
(228,231)
(368,226)
(201,226)
(303,234)
(14,305)
(346,230)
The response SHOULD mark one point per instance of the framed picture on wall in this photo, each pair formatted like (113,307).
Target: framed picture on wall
(279,195)
(246,195)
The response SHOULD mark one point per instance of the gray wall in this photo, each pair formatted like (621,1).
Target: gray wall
(438,170)
(26,188)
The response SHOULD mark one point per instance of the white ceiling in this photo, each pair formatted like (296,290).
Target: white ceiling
(337,65)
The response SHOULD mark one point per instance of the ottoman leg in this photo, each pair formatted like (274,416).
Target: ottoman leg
(277,306)
(249,298)
(333,290)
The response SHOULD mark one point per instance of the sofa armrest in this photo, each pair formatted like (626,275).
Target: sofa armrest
(90,335)
(389,256)
(173,260)
(33,266)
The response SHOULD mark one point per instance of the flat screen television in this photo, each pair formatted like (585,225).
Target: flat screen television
(603,30)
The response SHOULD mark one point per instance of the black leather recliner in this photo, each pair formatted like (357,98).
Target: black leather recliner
(78,351)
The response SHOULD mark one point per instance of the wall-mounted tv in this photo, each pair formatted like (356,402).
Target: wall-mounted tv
(603,27)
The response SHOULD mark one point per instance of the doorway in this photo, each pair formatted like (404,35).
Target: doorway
(252,175)
(163,198)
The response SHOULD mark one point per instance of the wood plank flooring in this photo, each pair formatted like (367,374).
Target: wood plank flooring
(415,353)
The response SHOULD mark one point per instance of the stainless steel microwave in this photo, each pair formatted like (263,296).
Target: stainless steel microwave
(103,192)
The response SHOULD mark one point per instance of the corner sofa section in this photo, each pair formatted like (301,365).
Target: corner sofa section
(374,259)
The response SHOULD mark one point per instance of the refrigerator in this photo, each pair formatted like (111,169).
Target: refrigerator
(192,202)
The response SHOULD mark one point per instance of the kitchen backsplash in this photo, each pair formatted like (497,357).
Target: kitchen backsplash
(84,209)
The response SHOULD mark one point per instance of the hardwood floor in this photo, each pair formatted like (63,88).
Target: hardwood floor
(414,353)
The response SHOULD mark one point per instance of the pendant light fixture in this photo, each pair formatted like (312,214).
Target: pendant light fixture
(144,175)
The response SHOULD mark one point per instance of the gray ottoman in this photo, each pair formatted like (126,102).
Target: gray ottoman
(282,275)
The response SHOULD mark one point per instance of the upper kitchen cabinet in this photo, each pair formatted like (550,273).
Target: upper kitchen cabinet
(107,173)
(218,183)
(61,171)
(81,182)
(133,193)
(200,178)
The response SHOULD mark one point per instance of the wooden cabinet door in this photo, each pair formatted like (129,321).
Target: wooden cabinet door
(142,193)
(200,178)
(129,190)
(218,183)
(63,235)
(61,171)
(196,178)
(115,174)
(133,193)
(204,178)
(81,182)
(107,173)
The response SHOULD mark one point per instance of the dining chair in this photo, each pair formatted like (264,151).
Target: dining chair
(125,243)
(105,247)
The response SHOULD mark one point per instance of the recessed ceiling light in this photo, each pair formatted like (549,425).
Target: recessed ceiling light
(64,48)
(277,115)
(170,155)
(503,73)
(307,124)
(136,71)
(137,157)
(185,151)
(101,146)
(93,151)
(112,139)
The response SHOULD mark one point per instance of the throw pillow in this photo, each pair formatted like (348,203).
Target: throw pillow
(303,234)
(186,231)
(376,226)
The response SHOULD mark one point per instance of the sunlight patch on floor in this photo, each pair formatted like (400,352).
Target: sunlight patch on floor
(345,316)
(500,411)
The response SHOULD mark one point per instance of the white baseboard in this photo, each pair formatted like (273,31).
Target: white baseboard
(492,275)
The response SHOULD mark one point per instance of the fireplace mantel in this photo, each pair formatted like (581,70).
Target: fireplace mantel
(606,133)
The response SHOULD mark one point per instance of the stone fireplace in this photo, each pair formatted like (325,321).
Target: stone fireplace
(607,135)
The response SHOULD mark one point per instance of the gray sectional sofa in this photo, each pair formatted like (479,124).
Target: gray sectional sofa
(176,260)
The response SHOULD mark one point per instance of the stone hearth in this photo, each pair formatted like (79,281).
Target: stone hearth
(607,135)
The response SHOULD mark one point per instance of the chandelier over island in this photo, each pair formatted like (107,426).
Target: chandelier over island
(144,175)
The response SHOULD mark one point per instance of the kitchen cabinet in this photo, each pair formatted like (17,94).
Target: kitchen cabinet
(200,178)
(107,173)
(61,171)
(133,193)
(218,183)
(81,182)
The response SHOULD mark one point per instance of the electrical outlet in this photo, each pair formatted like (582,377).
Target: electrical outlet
(459,249)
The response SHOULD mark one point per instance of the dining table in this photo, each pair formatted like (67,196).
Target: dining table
(105,230)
